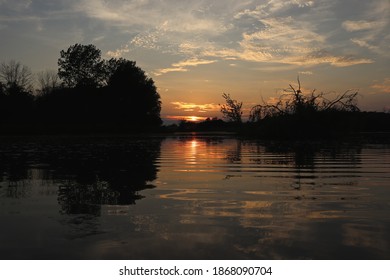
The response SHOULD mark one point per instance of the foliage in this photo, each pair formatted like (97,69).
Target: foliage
(132,93)
(119,97)
(232,109)
(95,95)
(111,91)
(81,66)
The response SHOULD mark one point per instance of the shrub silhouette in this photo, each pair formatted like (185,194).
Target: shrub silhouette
(294,102)
(298,115)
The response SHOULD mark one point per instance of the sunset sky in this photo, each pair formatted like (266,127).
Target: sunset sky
(197,50)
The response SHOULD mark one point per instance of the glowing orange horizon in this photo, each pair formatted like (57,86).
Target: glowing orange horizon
(186,118)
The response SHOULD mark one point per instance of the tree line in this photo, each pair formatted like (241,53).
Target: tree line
(91,94)
(295,114)
(87,94)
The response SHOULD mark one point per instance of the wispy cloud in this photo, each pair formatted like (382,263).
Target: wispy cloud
(359,25)
(193,62)
(305,73)
(322,56)
(16,5)
(112,12)
(192,107)
(275,31)
(286,40)
(302,55)
(383,86)
(371,31)
(365,44)
(118,52)
(160,72)
(182,66)
(273,7)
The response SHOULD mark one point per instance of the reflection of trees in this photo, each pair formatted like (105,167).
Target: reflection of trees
(90,172)
(302,164)
(234,155)
(304,154)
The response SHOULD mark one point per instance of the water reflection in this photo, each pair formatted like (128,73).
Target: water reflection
(204,198)
(277,200)
(89,172)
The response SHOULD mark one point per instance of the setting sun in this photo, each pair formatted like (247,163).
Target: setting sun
(195,138)
(194,118)
(186,118)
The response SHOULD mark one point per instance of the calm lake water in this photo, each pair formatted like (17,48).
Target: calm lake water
(192,197)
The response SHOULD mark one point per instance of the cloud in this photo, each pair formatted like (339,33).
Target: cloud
(17,11)
(284,43)
(285,40)
(277,31)
(160,72)
(273,7)
(322,56)
(192,107)
(185,118)
(272,33)
(305,73)
(365,44)
(382,86)
(193,62)
(372,29)
(16,5)
(278,39)
(175,16)
(118,52)
(98,38)
(182,66)
(359,25)
(112,12)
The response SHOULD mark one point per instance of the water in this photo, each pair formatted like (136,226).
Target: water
(192,197)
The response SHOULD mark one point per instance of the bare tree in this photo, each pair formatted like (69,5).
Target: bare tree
(293,101)
(14,74)
(232,109)
(48,80)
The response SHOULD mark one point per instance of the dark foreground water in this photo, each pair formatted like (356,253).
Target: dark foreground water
(192,197)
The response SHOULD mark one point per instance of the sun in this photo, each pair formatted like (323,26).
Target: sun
(186,118)
(193,118)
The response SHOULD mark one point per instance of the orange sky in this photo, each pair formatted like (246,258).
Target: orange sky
(197,50)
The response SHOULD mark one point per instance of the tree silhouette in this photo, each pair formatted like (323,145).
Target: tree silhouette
(296,114)
(132,95)
(232,109)
(98,95)
(294,102)
(16,99)
(81,66)
(48,81)
(15,75)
